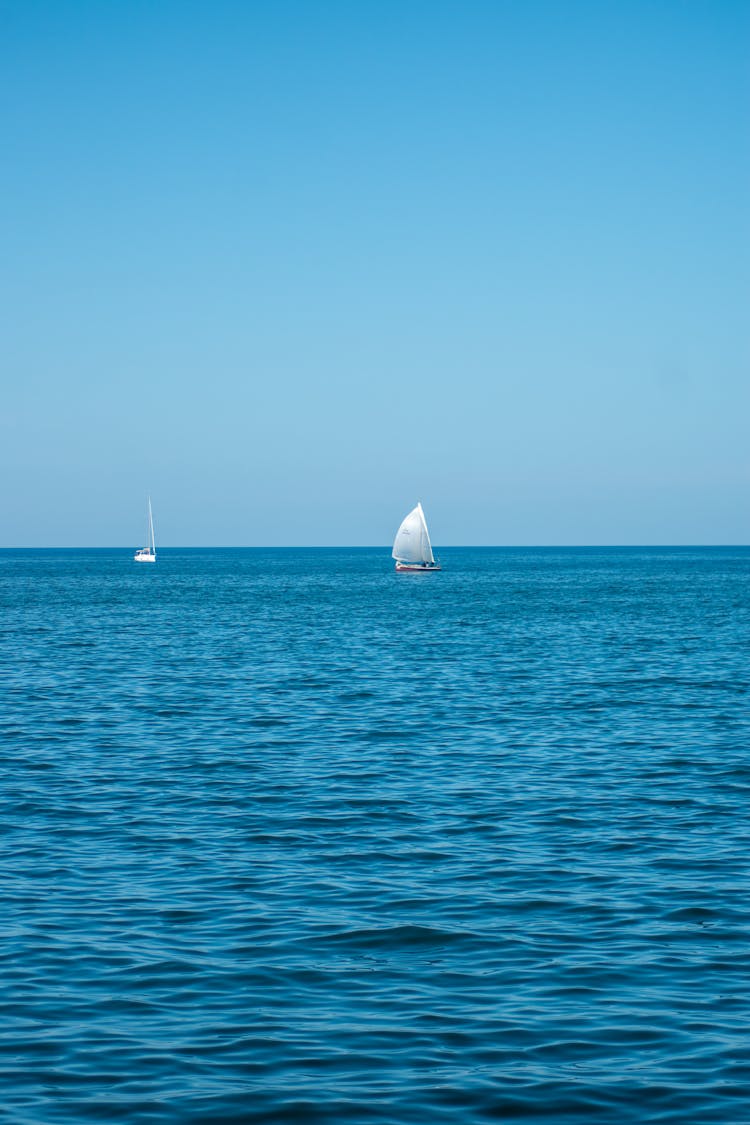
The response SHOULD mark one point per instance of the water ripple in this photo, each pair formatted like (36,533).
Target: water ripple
(286,838)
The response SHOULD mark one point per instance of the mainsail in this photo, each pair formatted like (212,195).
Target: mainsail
(151,540)
(412,542)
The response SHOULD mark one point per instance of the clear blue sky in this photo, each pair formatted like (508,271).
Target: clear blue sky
(293,266)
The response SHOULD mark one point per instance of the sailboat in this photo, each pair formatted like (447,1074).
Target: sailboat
(412,549)
(148,553)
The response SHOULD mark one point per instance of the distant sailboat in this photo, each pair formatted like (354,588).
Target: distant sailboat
(412,549)
(148,553)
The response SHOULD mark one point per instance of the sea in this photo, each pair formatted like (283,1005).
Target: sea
(289,837)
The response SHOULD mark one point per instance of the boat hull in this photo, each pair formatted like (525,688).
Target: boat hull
(144,558)
(417,568)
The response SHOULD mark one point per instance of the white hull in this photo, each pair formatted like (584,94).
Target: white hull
(418,568)
(144,558)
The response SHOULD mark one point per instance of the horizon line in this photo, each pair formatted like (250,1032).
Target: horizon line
(380,547)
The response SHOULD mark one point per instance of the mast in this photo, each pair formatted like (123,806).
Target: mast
(151,542)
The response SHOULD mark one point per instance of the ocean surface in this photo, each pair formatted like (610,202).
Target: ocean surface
(288,837)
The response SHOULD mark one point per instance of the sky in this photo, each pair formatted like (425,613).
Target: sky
(292,266)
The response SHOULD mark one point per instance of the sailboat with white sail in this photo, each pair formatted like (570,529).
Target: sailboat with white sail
(412,549)
(147,553)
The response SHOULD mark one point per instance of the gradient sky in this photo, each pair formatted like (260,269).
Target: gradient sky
(293,266)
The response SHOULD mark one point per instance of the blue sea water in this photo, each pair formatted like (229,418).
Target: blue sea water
(287,837)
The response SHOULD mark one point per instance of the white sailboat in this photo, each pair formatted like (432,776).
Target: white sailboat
(147,553)
(412,549)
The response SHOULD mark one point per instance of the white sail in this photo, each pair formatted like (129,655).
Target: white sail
(151,540)
(148,553)
(412,542)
